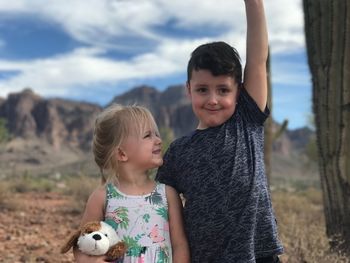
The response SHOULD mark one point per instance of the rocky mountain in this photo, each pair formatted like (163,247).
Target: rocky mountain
(171,108)
(58,131)
(57,121)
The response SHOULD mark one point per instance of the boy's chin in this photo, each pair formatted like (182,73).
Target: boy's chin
(203,126)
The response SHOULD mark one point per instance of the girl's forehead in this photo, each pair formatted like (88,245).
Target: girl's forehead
(141,126)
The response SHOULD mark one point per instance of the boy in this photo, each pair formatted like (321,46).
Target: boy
(219,167)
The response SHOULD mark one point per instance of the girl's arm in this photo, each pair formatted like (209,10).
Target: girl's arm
(181,252)
(255,77)
(94,211)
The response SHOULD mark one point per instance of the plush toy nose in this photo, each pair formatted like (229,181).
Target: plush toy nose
(96,237)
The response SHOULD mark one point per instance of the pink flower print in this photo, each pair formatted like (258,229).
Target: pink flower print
(155,236)
(114,216)
(141,259)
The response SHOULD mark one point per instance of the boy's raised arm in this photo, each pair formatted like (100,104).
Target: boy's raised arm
(255,76)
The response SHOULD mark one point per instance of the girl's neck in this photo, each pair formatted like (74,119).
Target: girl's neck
(133,179)
(135,183)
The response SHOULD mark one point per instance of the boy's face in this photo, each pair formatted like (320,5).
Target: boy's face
(213,97)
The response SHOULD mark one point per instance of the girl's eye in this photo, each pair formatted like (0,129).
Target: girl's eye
(147,135)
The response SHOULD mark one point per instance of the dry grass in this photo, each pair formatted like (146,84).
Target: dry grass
(302,228)
(299,214)
(7,203)
(79,189)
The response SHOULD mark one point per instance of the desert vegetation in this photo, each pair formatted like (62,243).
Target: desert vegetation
(38,213)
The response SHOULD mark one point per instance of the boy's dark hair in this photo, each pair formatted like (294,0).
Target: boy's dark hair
(217,57)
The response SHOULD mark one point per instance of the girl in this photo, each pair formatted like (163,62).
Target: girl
(147,215)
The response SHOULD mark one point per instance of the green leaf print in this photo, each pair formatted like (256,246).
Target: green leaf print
(112,192)
(138,237)
(146,217)
(154,198)
(134,248)
(163,212)
(112,223)
(118,218)
(122,216)
(162,256)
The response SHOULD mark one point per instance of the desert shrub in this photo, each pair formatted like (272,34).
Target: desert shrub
(302,227)
(29,183)
(4,133)
(7,202)
(79,188)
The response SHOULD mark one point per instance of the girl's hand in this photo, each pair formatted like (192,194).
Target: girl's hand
(83,258)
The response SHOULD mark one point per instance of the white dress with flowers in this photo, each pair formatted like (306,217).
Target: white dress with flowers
(142,222)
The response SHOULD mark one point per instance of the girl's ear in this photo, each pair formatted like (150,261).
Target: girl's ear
(121,155)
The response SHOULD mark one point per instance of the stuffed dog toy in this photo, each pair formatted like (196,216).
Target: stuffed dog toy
(96,239)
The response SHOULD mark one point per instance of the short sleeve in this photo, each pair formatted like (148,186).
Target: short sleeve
(250,110)
(166,173)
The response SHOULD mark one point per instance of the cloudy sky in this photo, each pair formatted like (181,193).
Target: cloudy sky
(92,50)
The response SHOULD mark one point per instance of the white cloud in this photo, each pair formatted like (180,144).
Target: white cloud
(102,23)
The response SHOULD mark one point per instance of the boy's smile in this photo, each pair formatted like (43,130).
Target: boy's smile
(213,97)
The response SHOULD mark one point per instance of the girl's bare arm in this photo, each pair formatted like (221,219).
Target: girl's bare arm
(181,252)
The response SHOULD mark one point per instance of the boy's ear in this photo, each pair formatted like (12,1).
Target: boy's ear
(121,155)
(188,89)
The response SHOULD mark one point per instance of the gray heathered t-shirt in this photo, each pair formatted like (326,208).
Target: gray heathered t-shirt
(220,171)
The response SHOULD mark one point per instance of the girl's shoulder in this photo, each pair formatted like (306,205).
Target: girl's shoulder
(99,194)
(169,192)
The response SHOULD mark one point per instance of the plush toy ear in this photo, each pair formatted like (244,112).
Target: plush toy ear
(71,242)
(116,251)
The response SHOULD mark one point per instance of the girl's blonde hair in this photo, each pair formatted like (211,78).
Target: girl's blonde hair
(112,127)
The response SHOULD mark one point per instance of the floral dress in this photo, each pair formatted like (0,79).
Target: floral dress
(142,222)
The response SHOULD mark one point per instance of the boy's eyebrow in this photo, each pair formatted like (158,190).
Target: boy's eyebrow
(223,86)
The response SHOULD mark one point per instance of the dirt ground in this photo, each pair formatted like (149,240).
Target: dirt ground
(36,229)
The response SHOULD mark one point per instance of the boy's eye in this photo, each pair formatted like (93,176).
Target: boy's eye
(201,90)
(224,90)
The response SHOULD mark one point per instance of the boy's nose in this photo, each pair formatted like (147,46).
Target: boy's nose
(212,100)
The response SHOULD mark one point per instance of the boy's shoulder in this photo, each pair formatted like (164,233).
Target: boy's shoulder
(182,141)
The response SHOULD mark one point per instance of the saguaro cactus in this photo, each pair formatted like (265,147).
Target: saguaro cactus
(269,134)
(327,30)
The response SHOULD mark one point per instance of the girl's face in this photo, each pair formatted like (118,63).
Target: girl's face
(144,149)
(213,97)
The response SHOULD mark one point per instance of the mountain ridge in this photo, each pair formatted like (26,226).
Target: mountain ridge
(41,126)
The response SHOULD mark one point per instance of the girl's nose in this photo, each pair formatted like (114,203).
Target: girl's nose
(158,140)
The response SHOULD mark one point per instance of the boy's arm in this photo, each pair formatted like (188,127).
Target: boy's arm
(255,76)
(179,244)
